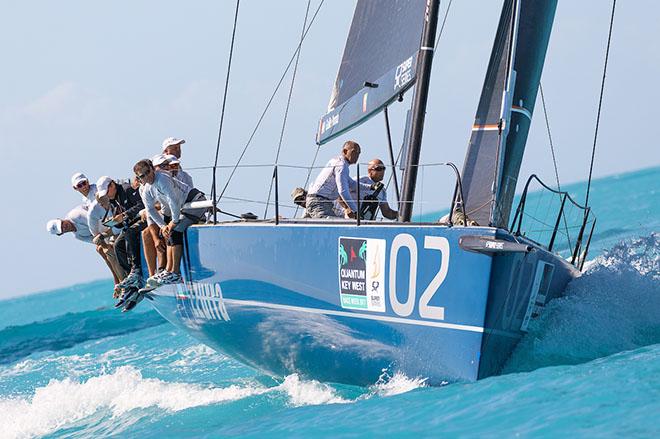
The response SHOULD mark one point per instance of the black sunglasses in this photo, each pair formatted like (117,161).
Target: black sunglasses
(141,176)
(82,184)
(377,168)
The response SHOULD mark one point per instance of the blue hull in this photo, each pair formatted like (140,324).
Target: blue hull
(341,303)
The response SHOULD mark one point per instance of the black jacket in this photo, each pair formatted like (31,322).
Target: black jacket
(128,202)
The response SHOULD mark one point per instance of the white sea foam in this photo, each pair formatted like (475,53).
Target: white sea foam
(309,392)
(396,384)
(65,402)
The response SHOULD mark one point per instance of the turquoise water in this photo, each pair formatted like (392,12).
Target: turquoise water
(72,366)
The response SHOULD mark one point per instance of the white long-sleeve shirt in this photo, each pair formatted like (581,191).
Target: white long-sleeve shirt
(184,177)
(334,181)
(97,214)
(78,216)
(170,192)
(90,198)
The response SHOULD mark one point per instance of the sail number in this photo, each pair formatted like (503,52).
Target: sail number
(405,308)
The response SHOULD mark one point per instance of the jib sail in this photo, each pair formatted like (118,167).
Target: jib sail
(379,63)
(504,114)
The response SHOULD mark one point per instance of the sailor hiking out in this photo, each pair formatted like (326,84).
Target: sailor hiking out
(126,205)
(172,194)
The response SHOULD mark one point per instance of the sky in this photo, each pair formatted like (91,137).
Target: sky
(96,86)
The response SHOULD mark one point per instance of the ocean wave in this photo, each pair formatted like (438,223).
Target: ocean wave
(66,402)
(68,330)
(613,307)
(98,402)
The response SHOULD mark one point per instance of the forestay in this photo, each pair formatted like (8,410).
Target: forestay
(378,64)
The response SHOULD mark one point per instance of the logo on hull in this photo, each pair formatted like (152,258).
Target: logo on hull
(200,300)
(362,274)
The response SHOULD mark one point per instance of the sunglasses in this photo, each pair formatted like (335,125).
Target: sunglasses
(142,176)
(82,184)
(377,168)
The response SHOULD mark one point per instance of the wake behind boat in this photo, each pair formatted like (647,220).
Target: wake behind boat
(344,300)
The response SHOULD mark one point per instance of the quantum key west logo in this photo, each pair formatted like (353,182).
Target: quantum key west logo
(362,273)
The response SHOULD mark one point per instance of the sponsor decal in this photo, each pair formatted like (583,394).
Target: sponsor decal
(200,300)
(403,74)
(362,273)
(329,122)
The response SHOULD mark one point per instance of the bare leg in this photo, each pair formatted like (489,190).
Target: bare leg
(111,256)
(170,259)
(149,251)
(101,252)
(160,248)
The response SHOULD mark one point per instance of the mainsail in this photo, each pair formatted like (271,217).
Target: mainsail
(379,63)
(504,114)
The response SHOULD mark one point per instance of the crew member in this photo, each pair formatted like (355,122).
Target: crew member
(81,184)
(172,146)
(126,205)
(158,186)
(376,173)
(76,222)
(100,212)
(334,182)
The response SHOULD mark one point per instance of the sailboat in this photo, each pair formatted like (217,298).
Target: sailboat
(345,300)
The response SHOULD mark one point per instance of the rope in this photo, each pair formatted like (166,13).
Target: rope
(600,103)
(224,103)
(288,104)
(270,101)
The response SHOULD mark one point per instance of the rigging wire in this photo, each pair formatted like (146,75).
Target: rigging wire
(286,111)
(547,126)
(554,158)
(270,101)
(442,27)
(600,103)
(222,112)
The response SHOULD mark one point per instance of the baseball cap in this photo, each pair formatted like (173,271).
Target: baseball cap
(171,159)
(54,226)
(102,186)
(77,178)
(172,141)
(158,159)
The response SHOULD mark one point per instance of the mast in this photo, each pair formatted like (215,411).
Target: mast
(419,109)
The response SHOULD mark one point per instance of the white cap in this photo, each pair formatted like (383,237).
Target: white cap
(77,178)
(54,226)
(102,186)
(171,159)
(172,141)
(158,159)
